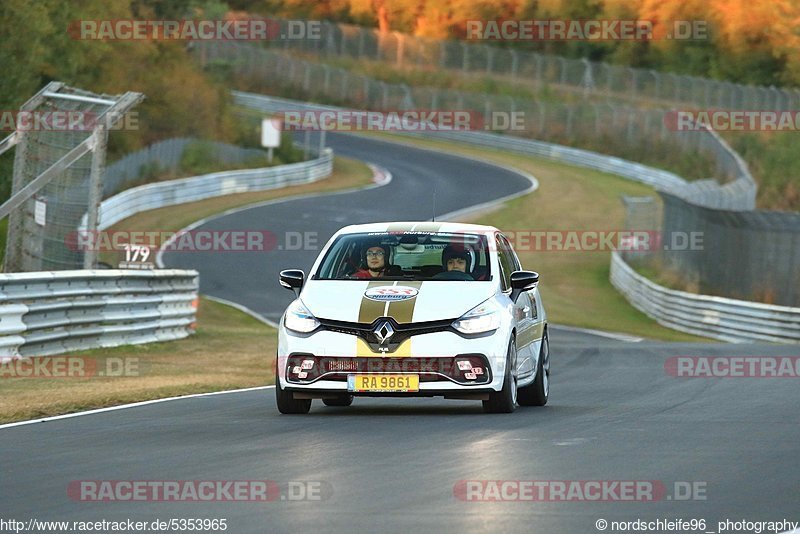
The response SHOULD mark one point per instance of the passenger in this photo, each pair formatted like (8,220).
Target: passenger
(458,258)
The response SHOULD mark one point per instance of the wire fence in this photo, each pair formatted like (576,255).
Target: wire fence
(166,156)
(58,176)
(752,255)
(64,200)
(748,254)
(580,76)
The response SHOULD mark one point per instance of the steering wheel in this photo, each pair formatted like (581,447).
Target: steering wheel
(453,275)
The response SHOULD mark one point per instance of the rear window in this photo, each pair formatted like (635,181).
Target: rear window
(407,256)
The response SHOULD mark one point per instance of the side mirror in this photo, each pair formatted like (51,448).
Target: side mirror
(293,279)
(522,281)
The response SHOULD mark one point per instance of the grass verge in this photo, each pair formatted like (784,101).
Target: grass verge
(230,350)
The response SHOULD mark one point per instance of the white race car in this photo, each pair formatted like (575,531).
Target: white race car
(414,309)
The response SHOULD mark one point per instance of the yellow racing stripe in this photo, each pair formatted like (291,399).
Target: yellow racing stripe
(402,311)
(372,309)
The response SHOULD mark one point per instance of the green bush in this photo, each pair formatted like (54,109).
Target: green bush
(198,158)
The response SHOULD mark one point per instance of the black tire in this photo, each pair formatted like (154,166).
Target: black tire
(286,402)
(505,400)
(342,400)
(538,392)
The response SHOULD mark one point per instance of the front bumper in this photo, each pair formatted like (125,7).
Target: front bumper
(471,394)
(434,357)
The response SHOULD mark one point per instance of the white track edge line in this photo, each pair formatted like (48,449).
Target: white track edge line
(130,405)
(601,333)
(244,309)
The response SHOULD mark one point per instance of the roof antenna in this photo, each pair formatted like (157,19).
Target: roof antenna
(434,203)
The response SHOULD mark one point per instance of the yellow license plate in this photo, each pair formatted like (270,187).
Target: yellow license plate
(383,383)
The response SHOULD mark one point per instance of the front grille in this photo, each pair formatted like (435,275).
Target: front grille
(402,331)
(307,368)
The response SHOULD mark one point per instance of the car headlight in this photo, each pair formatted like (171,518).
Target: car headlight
(299,319)
(484,317)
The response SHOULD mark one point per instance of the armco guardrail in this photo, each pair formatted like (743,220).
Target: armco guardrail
(716,317)
(166,155)
(738,194)
(44,313)
(172,192)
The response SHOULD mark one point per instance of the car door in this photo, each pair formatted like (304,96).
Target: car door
(529,325)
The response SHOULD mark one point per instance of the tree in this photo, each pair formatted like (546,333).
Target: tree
(24,33)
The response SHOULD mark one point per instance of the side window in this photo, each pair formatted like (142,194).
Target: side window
(506,263)
(512,255)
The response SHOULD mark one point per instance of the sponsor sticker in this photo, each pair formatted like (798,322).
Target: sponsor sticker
(391,293)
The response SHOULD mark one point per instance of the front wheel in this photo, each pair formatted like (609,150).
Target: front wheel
(286,402)
(505,400)
(539,391)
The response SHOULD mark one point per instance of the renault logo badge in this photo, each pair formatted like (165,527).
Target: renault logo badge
(383,332)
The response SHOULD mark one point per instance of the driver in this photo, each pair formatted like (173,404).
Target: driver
(376,258)
(458,258)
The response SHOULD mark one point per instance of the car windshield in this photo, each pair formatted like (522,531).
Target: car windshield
(407,256)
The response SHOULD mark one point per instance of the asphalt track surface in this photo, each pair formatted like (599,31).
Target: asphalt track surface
(392,465)
(251,278)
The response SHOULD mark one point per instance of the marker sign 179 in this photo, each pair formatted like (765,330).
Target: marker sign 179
(136,257)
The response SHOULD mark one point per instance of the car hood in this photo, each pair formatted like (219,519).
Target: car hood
(364,301)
